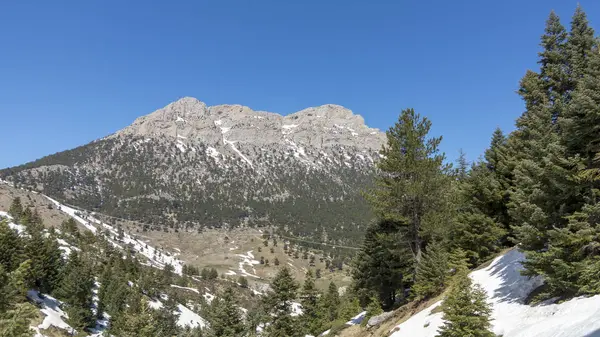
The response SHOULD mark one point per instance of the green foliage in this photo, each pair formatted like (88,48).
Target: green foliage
(11,247)
(136,320)
(46,261)
(381,264)
(331,302)
(432,272)
(410,180)
(553,202)
(466,311)
(16,208)
(312,316)
(226,317)
(373,309)
(16,321)
(76,292)
(279,304)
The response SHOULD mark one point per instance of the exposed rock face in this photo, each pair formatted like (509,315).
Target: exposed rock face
(189,165)
(222,125)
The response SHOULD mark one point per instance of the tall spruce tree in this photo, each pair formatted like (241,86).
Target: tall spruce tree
(11,247)
(538,200)
(279,302)
(579,46)
(331,302)
(381,265)
(226,317)
(432,272)
(312,319)
(482,215)
(554,64)
(16,209)
(76,292)
(582,117)
(136,321)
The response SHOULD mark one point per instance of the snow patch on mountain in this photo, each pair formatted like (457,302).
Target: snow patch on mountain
(248,260)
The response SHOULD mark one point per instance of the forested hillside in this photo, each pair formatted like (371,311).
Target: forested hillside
(536,188)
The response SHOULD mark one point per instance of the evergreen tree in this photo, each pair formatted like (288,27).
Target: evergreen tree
(466,311)
(373,309)
(279,303)
(16,322)
(331,302)
(76,292)
(11,247)
(579,125)
(478,227)
(554,63)
(462,166)
(165,318)
(136,320)
(411,177)
(46,260)
(432,272)
(579,46)
(381,264)
(16,209)
(543,194)
(226,318)
(350,307)
(309,298)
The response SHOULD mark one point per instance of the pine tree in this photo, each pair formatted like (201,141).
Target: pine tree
(16,322)
(462,164)
(554,63)
(165,318)
(46,260)
(411,177)
(381,264)
(498,169)
(373,309)
(76,292)
(542,195)
(11,247)
(350,307)
(331,302)
(579,125)
(309,299)
(16,209)
(478,227)
(466,311)
(226,318)
(136,321)
(432,272)
(579,46)
(279,303)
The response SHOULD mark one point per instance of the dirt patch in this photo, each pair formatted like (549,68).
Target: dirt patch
(48,212)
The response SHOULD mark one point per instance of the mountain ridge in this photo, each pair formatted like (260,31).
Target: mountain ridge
(191,166)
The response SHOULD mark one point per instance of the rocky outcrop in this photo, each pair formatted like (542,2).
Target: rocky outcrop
(321,127)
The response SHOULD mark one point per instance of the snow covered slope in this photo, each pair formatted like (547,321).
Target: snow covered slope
(507,289)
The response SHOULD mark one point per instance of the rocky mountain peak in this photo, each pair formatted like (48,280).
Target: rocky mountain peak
(189,119)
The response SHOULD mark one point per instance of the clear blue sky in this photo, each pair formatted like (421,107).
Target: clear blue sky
(75,71)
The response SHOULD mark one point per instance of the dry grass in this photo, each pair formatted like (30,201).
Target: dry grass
(220,249)
(52,217)
(53,331)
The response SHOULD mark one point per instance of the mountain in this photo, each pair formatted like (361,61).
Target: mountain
(192,166)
